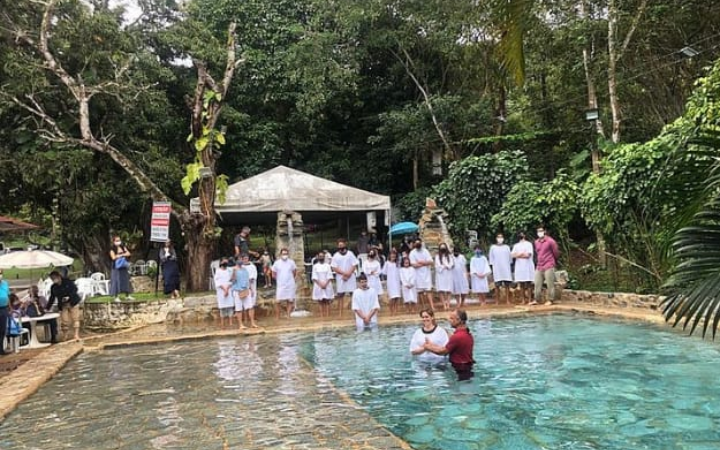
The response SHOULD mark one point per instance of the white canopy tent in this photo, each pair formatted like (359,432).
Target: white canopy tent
(259,198)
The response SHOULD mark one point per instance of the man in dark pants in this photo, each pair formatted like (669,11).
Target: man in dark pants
(4,301)
(459,347)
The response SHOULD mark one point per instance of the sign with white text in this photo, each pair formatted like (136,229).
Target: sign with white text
(160,222)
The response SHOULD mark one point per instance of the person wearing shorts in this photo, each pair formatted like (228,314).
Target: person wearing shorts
(249,303)
(240,290)
(65,292)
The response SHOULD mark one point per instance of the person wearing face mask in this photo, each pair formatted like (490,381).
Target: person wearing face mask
(372,269)
(322,284)
(523,252)
(461,287)
(394,287)
(284,272)
(120,277)
(479,270)
(421,261)
(547,253)
(344,264)
(4,304)
(501,263)
(170,270)
(444,263)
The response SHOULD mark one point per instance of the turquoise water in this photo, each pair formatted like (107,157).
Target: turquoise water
(541,382)
(549,382)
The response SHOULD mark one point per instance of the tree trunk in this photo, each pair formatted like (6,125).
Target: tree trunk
(612,71)
(500,117)
(588,54)
(200,250)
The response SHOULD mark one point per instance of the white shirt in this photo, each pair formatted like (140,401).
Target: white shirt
(423,275)
(438,337)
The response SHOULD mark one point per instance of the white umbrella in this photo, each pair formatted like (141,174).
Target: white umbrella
(34,259)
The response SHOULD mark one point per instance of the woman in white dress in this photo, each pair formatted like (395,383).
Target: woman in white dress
(323,292)
(479,270)
(522,251)
(225,301)
(372,269)
(407,280)
(432,332)
(392,279)
(461,287)
(444,263)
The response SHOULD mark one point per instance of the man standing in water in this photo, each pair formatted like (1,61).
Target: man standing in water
(459,347)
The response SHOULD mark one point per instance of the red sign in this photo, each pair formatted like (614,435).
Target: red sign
(160,222)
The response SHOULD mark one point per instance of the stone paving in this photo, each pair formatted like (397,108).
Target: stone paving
(315,416)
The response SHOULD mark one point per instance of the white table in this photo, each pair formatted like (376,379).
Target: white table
(34,343)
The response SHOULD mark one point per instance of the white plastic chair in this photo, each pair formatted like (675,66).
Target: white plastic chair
(214,266)
(44,287)
(101,285)
(85,287)
(98,276)
(140,267)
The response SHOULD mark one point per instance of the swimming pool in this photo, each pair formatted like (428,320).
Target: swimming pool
(560,382)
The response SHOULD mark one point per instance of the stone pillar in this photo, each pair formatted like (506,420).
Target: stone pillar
(433,227)
(290,230)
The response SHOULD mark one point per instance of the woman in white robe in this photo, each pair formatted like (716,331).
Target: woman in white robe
(371,268)
(432,332)
(323,292)
(392,280)
(444,263)
(407,279)
(479,270)
(461,286)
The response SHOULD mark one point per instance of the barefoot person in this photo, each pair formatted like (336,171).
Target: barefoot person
(407,279)
(322,284)
(249,303)
(223,289)
(240,290)
(421,261)
(392,277)
(444,263)
(522,251)
(547,253)
(501,262)
(461,287)
(460,346)
(479,270)
(344,264)
(284,271)
(66,294)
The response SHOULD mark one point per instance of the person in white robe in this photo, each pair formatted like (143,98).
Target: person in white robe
(392,280)
(430,331)
(344,264)
(523,251)
(407,280)
(365,305)
(251,300)
(322,292)
(444,263)
(422,261)
(284,271)
(501,263)
(479,271)
(372,269)
(225,300)
(461,286)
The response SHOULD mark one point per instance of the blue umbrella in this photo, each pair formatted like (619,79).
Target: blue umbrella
(403,228)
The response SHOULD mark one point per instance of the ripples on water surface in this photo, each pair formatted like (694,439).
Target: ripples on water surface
(553,382)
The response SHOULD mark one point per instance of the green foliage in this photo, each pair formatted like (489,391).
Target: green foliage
(411,205)
(529,204)
(477,187)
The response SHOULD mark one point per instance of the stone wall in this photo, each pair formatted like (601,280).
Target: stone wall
(433,227)
(613,299)
(129,314)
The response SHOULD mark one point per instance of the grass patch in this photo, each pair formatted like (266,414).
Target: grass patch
(142,297)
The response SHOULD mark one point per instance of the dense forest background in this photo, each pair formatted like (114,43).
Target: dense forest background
(406,98)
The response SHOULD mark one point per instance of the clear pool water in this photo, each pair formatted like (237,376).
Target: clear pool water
(541,382)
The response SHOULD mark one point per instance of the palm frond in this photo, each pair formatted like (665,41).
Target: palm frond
(513,20)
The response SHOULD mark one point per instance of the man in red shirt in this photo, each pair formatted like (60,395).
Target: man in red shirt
(459,347)
(547,253)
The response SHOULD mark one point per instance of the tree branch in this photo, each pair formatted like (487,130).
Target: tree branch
(631,31)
